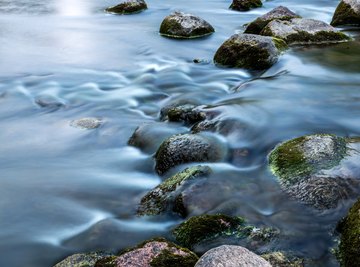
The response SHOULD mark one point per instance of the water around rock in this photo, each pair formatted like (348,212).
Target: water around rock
(128,7)
(245,5)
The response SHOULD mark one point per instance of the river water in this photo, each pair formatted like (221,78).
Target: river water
(65,190)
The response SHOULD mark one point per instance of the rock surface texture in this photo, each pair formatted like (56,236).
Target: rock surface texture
(81,260)
(231,256)
(245,5)
(185,26)
(347,13)
(128,7)
(86,123)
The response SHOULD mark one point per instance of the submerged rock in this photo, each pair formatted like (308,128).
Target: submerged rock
(280,259)
(303,31)
(186,26)
(349,227)
(189,114)
(278,13)
(347,13)
(168,195)
(231,256)
(249,51)
(245,5)
(86,123)
(152,253)
(204,227)
(128,7)
(186,148)
(81,260)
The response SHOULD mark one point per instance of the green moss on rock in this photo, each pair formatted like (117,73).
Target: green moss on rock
(303,156)
(128,7)
(245,5)
(349,249)
(347,13)
(280,259)
(204,227)
(168,258)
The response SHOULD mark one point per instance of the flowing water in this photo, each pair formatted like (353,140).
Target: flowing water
(65,190)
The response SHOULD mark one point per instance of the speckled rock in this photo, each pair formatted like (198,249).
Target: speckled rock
(249,51)
(128,7)
(185,26)
(347,13)
(186,148)
(245,5)
(168,195)
(349,227)
(81,260)
(278,13)
(152,253)
(87,123)
(231,256)
(188,114)
(303,31)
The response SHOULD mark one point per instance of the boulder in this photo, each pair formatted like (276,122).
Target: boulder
(185,26)
(188,114)
(169,194)
(128,7)
(303,31)
(278,13)
(87,123)
(187,148)
(245,5)
(231,256)
(349,227)
(347,13)
(157,252)
(81,260)
(249,51)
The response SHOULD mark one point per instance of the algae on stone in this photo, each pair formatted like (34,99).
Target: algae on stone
(347,13)
(245,5)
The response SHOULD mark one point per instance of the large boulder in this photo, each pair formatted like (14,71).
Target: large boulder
(185,26)
(81,260)
(249,51)
(157,252)
(231,256)
(349,227)
(187,148)
(245,5)
(309,170)
(278,13)
(128,7)
(347,13)
(168,196)
(303,31)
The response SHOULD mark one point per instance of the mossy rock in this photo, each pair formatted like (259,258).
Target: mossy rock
(349,227)
(281,259)
(278,13)
(245,5)
(185,26)
(81,260)
(347,13)
(168,195)
(249,51)
(188,114)
(187,148)
(304,156)
(128,7)
(156,252)
(204,227)
(304,31)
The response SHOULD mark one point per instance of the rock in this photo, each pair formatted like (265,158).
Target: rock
(278,13)
(188,114)
(303,31)
(249,51)
(349,227)
(128,7)
(156,252)
(245,5)
(204,227)
(49,102)
(86,123)
(347,13)
(224,126)
(168,195)
(279,259)
(81,260)
(185,26)
(186,148)
(231,256)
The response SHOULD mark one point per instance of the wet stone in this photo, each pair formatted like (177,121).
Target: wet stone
(245,5)
(87,123)
(278,13)
(303,31)
(347,13)
(81,260)
(249,51)
(281,259)
(185,26)
(128,7)
(188,114)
